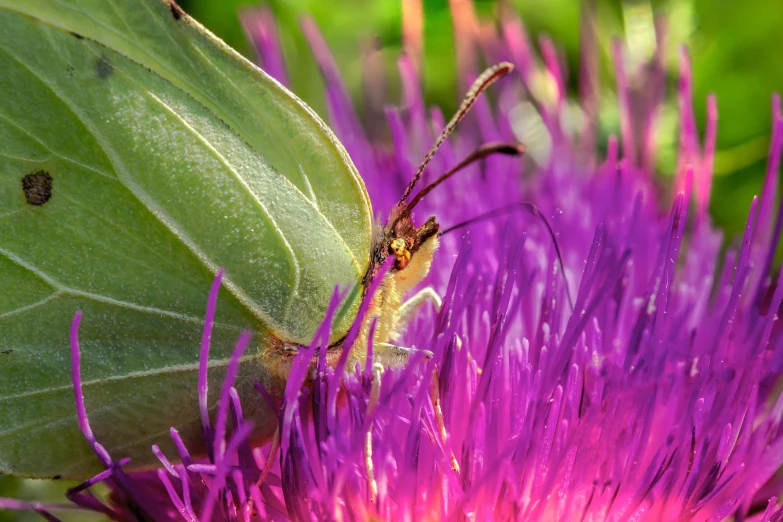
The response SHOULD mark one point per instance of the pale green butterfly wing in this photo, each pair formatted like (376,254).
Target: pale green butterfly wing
(169,156)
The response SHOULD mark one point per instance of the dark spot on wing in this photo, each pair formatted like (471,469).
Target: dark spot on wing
(176,11)
(7,352)
(37,187)
(57,477)
(103,68)
(77,35)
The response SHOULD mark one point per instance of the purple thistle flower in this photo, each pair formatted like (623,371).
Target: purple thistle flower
(656,396)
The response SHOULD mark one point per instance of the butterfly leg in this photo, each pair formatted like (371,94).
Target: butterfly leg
(409,307)
(270,458)
(391,355)
(440,421)
(375,392)
(396,356)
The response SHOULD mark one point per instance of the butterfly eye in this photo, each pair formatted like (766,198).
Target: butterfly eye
(399,248)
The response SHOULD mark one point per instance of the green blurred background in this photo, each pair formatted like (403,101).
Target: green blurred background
(735,50)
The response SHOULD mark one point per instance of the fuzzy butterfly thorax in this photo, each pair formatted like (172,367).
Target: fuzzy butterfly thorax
(413,248)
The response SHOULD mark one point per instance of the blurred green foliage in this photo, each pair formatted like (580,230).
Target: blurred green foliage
(734,46)
(39,490)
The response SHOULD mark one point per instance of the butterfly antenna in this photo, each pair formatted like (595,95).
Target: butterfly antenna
(487,78)
(515,207)
(508,149)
